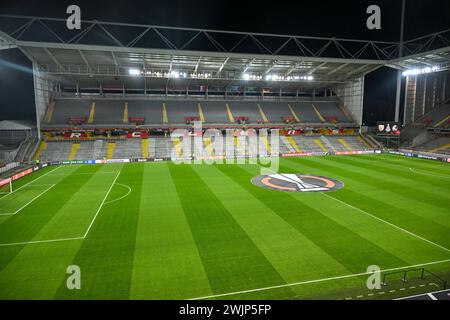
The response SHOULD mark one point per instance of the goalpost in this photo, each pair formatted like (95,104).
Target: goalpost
(6,186)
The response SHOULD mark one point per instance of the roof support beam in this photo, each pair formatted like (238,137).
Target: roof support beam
(316,68)
(85,60)
(337,68)
(53,58)
(197,64)
(272,65)
(247,65)
(223,64)
(292,69)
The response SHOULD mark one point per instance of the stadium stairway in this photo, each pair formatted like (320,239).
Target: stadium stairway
(125,113)
(345,144)
(111,148)
(366,142)
(50,111)
(443,123)
(144,147)
(267,150)
(164,112)
(327,144)
(441,148)
(263,115)
(293,144)
(318,113)
(178,147)
(230,114)
(200,112)
(40,150)
(207,143)
(92,113)
(74,151)
(294,114)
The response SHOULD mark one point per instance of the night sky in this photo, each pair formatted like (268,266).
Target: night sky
(330,18)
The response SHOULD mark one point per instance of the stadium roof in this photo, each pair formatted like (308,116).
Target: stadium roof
(17,125)
(116,55)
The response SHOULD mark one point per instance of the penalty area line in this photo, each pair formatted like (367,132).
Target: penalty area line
(28,203)
(316,281)
(101,204)
(388,223)
(39,241)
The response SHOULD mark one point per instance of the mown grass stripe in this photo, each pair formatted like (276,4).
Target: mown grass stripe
(25,226)
(230,258)
(106,255)
(334,164)
(344,245)
(387,211)
(167,264)
(294,256)
(399,175)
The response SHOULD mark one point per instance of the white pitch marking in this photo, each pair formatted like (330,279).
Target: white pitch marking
(101,204)
(431,296)
(38,241)
(30,182)
(418,295)
(67,239)
(84,173)
(316,281)
(391,224)
(120,198)
(17,211)
(429,174)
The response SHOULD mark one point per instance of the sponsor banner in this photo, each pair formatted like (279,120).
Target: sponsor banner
(210,158)
(75,135)
(22,174)
(302,154)
(291,132)
(354,152)
(419,155)
(137,134)
(100,161)
(4,182)
(117,160)
(136,119)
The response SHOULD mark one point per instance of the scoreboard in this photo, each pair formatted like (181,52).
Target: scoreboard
(388,128)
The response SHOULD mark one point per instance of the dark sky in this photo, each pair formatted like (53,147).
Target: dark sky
(343,18)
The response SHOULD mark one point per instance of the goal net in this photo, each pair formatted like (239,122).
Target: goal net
(5,186)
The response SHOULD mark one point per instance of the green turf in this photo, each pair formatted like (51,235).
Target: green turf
(167,231)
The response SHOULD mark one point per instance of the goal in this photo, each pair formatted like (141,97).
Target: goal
(5,186)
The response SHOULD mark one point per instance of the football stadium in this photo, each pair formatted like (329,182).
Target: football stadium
(177,163)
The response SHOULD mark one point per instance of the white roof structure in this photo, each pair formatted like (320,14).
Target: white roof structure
(133,56)
(17,125)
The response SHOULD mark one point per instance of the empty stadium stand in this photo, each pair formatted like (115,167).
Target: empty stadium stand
(118,111)
(166,147)
(438,117)
(437,144)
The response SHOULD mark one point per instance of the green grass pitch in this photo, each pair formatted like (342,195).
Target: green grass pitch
(167,231)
